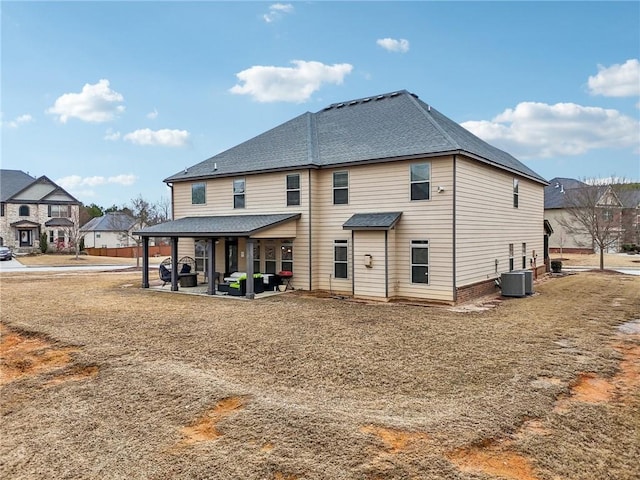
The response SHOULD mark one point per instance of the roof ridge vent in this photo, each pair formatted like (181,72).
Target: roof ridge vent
(365,100)
(380,97)
(355,102)
(340,105)
(394,94)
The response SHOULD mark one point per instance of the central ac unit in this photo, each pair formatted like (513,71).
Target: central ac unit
(513,284)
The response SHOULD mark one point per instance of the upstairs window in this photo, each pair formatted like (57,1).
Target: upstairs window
(293,189)
(340,255)
(238,193)
(198,193)
(607,215)
(420,181)
(340,188)
(23,211)
(60,211)
(516,183)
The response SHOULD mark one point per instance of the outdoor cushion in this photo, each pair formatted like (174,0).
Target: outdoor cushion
(186,268)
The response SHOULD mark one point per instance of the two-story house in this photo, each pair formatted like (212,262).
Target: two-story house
(30,206)
(380,197)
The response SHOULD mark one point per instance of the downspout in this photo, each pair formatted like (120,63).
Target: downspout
(454,220)
(353,263)
(170,185)
(310,238)
(386,264)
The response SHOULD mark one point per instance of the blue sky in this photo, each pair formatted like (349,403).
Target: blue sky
(110,98)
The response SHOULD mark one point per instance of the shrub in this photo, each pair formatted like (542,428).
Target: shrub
(44,242)
(556,266)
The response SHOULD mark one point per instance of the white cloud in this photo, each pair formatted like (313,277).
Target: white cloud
(539,130)
(125,180)
(276,11)
(164,137)
(111,135)
(18,121)
(153,115)
(617,80)
(289,84)
(73,182)
(96,103)
(393,45)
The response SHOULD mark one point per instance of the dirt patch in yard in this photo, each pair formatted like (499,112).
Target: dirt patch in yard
(23,356)
(493,459)
(316,388)
(205,428)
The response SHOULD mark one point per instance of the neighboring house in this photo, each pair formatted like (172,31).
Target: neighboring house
(112,230)
(380,197)
(616,209)
(30,206)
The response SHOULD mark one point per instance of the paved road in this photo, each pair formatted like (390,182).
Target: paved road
(14,266)
(627,270)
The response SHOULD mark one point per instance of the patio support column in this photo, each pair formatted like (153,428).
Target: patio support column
(211,265)
(250,290)
(145,262)
(174,264)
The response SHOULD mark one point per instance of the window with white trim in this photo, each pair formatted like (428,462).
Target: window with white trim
(511,257)
(270,257)
(524,256)
(420,181)
(340,259)
(516,184)
(256,256)
(340,188)
(198,193)
(60,211)
(419,261)
(286,256)
(293,189)
(238,193)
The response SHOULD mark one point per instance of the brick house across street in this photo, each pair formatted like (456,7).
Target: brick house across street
(30,206)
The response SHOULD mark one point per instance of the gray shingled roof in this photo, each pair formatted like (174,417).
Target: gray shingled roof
(372,221)
(109,222)
(217,226)
(554,192)
(384,127)
(12,182)
(58,222)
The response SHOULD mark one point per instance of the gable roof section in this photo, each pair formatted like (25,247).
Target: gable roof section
(110,222)
(12,182)
(387,127)
(217,226)
(17,186)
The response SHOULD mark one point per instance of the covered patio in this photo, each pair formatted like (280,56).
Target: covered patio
(209,229)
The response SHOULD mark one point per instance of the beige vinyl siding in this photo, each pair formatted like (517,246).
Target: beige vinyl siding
(385,187)
(369,281)
(265,193)
(487,222)
(561,238)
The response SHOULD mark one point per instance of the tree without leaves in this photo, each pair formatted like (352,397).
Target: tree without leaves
(73,233)
(594,212)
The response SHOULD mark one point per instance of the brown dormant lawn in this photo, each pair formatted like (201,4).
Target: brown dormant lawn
(101,379)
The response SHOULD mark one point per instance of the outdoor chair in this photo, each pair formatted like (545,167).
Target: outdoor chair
(186,273)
